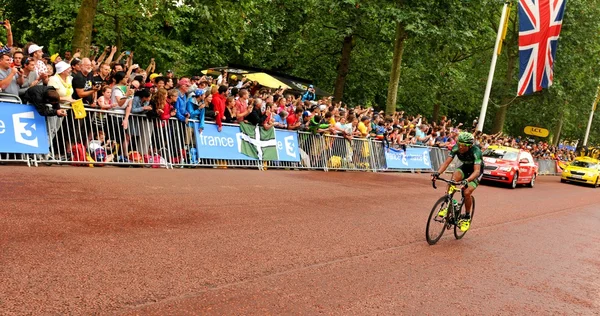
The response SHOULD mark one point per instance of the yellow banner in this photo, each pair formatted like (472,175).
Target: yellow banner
(536,131)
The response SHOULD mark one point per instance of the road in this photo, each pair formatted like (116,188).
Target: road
(121,241)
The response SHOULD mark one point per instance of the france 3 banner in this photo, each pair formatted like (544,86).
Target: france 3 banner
(247,142)
(413,158)
(22,130)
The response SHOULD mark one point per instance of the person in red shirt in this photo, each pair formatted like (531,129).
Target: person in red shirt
(292,119)
(218,103)
(241,105)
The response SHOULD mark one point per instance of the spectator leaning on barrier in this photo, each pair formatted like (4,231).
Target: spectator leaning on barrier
(241,105)
(196,107)
(255,116)
(45,99)
(180,105)
(10,77)
(230,111)
(218,103)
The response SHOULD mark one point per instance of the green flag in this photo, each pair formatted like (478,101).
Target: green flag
(258,143)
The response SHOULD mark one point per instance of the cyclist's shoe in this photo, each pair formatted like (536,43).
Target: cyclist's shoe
(443,212)
(465,222)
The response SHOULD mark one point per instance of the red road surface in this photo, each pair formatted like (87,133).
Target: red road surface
(83,241)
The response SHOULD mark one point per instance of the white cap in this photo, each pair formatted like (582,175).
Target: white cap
(34,48)
(62,66)
(322,107)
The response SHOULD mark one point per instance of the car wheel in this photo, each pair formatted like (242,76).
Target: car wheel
(563,181)
(596,184)
(532,182)
(514,181)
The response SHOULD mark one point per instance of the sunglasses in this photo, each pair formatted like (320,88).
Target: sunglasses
(465,144)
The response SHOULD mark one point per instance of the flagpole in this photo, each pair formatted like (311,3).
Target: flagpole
(488,87)
(589,126)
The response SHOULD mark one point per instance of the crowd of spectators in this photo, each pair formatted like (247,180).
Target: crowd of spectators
(122,88)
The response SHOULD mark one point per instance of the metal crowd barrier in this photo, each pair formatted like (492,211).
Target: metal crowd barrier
(547,167)
(99,139)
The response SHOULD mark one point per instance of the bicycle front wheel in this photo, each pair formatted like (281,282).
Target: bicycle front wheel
(458,234)
(436,225)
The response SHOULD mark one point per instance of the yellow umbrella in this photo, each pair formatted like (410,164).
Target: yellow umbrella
(266,80)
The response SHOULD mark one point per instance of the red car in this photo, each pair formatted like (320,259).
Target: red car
(509,165)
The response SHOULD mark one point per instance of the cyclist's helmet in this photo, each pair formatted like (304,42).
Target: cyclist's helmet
(466,138)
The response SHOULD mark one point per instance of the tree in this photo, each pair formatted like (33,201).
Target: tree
(82,39)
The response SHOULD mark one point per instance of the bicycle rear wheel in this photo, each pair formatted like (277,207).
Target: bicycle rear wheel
(458,234)
(435,224)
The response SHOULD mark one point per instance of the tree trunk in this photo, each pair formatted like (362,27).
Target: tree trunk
(82,39)
(390,104)
(558,128)
(501,112)
(436,111)
(343,67)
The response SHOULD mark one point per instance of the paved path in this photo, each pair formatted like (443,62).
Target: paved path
(83,241)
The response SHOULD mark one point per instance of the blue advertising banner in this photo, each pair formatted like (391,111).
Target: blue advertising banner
(227,144)
(413,158)
(22,130)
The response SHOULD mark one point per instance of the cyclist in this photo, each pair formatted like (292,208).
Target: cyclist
(469,173)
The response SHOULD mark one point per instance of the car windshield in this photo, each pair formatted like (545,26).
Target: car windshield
(501,154)
(583,164)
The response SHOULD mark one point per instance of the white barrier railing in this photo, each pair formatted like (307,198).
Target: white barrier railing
(100,139)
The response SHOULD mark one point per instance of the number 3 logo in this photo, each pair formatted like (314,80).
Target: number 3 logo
(24,125)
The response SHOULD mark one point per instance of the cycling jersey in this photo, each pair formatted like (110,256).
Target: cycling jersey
(472,157)
(469,159)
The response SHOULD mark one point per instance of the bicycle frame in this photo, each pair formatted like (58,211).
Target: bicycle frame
(452,189)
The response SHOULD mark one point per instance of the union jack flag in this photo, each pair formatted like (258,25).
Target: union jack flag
(540,22)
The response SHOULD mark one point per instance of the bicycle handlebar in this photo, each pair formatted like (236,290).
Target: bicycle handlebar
(444,180)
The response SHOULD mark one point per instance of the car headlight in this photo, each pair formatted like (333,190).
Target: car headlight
(505,169)
(590,174)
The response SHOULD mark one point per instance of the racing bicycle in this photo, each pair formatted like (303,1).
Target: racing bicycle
(437,224)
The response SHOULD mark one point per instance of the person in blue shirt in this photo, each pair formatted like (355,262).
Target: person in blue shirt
(309,95)
(181,103)
(280,120)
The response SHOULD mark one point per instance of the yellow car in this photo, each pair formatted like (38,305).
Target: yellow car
(583,170)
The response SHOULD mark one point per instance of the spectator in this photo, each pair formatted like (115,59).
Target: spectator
(218,103)
(10,77)
(83,83)
(196,107)
(309,95)
(181,103)
(30,77)
(18,59)
(37,54)
(241,105)
(9,38)
(230,110)
(363,127)
(280,120)
(255,116)
(45,99)
(104,101)
(62,81)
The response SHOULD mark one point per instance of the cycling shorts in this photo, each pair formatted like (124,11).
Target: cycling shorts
(467,171)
